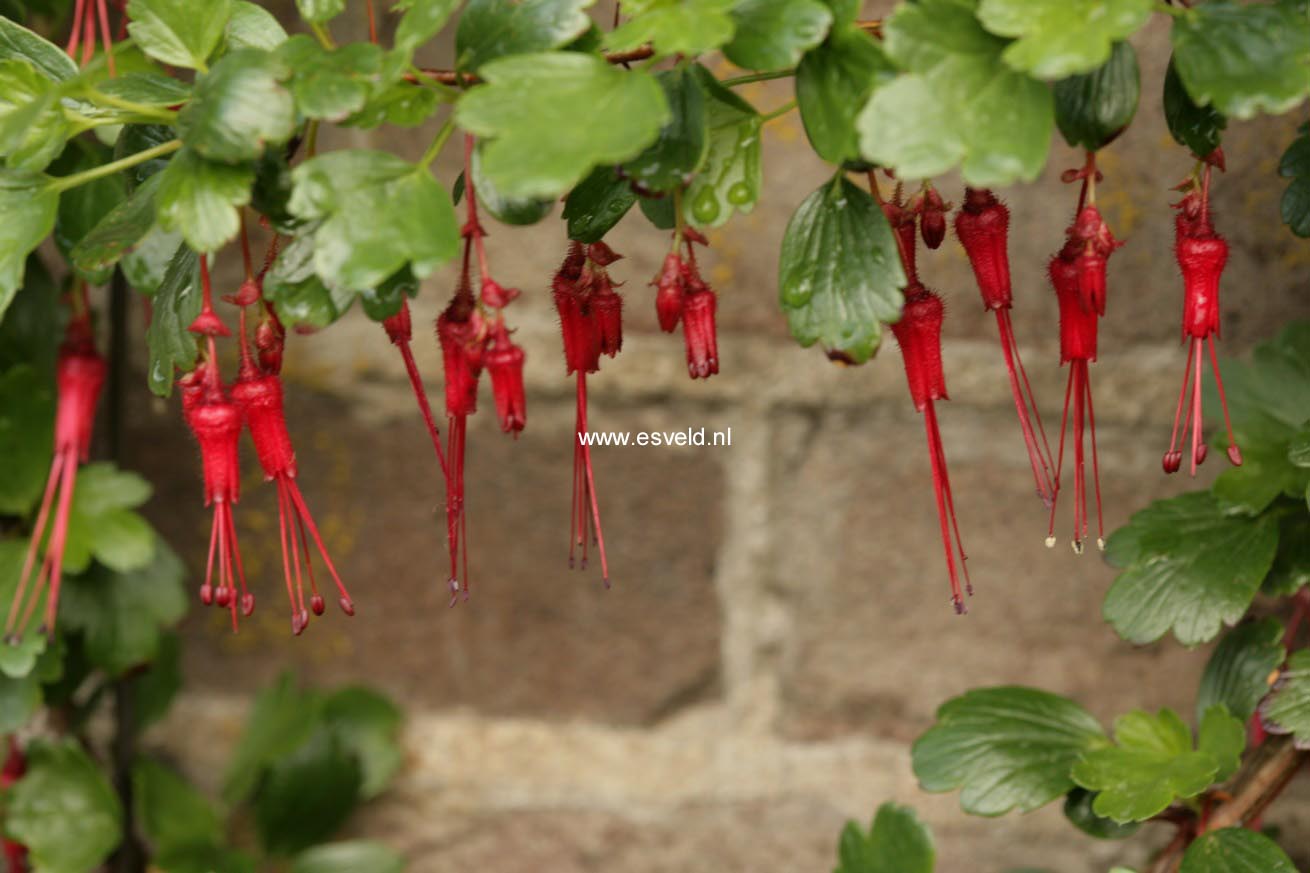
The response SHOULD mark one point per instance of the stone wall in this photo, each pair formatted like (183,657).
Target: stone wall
(779,628)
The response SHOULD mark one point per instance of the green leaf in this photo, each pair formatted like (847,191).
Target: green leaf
(119,230)
(178,32)
(136,138)
(330,84)
(147,263)
(1093,108)
(1199,128)
(319,11)
(531,153)
(399,104)
(199,198)
(491,29)
(204,859)
(1243,59)
(146,88)
(925,123)
(1223,737)
(281,719)
(30,332)
(19,43)
(772,34)
(27,413)
(899,842)
(673,27)
(384,301)
(172,814)
(1058,38)
(351,857)
(839,275)
(1078,810)
(421,21)
(123,616)
(19,700)
(1288,709)
(1151,764)
(176,305)
(83,207)
(596,204)
(33,128)
(1291,570)
(1235,850)
(1237,674)
(1007,748)
(301,297)
(251,26)
(513,211)
(682,142)
(63,810)
(1187,568)
(239,108)
(1295,164)
(658,211)
(377,213)
(367,724)
(731,176)
(832,83)
(27,215)
(17,659)
(306,795)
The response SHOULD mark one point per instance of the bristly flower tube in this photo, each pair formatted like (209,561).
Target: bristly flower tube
(504,362)
(462,352)
(982,226)
(919,334)
(1201,254)
(682,295)
(79,375)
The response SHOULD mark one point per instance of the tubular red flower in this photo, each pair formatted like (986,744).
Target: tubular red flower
(918,333)
(505,366)
(260,401)
(79,376)
(607,314)
(700,333)
(670,289)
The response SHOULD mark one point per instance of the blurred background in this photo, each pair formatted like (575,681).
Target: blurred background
(779,630)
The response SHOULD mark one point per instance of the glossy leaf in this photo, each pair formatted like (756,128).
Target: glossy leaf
(840,274)
(33,128)
(1291,570)
(351,857)
(1059,38)
(83,207)
(136,138)
(1007,748)
(400,104)
(1187,567)
(301,297)
(330,84)
(1288,709)
(731,176)
(491,29)
(63,810)
(513,211)
(176,304)
(27,215)
(1235,850)
(1151,764)
(1093,108)
(199,199)
(123,615)
(897,842)
(1295,165)
(530,154)
(1199,128)
(178,32)
(1078,809)
(146,88)
(673,27)
(170,812)
(683,140)
(377,213)
(596,204)
(421,21)
(832,82)
(772,34)
(119,230)
(1243,58)
(937,117)
(19,43)
(251,26)
(27,411)
(146,265)
(239,108)
(1238,672)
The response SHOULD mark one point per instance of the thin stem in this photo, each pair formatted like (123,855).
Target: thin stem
(163,114)
(311,138)
(321,34)
(779,112)
(736,81)
(64,183)
(438,141)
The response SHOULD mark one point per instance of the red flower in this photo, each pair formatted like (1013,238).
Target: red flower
(79,376)
(505,365)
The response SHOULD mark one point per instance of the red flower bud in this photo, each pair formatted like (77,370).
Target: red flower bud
(207,323)
(933,222)
(398,327)
(669,293)
(602,254)
(496,295)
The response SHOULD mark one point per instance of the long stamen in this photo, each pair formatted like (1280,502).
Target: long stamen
(1096,464)
(1234,451)
(38,533)
(950,504)
(58,539)
(1198,446)
(934,456)
(1059,464)
(1173,457)
(296,626)
(247,599)
(207,590)
(1079,482)
(347,605)
(591,491)
(1041,472)
(75,36)
(105,36)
